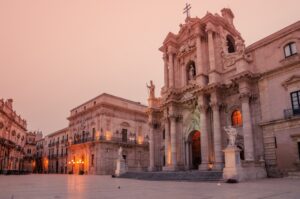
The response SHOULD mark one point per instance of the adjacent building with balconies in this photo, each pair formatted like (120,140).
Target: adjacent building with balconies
(99,127)
(12,139)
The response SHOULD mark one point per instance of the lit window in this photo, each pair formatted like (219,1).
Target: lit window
(290,49)
(236,118)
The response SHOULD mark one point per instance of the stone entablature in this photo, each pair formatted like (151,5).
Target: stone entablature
(108,100)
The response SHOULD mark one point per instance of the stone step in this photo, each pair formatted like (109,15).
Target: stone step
(294,175)
(176,176)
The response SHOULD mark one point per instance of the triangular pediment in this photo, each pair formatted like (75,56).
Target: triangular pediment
(170,37)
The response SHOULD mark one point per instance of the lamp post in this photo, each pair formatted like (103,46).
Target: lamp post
(72,162)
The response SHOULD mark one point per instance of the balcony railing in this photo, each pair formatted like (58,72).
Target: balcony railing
(63,141)
(83,140)
(51,144)
(110,139)
(289,113)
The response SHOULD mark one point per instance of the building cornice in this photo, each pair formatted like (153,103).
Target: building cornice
(269,39)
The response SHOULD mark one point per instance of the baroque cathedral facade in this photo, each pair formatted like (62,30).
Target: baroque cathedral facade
(211,81)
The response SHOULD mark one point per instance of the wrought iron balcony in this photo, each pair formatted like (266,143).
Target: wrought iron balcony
(119,140)
(289,113)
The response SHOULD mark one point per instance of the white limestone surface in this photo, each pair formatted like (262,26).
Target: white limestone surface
(102,187)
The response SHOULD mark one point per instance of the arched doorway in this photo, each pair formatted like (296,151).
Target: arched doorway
(195,137)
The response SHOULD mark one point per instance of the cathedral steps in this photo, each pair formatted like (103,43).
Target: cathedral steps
(176,176)
(294,175)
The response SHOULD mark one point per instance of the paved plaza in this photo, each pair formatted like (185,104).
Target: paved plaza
(90,187)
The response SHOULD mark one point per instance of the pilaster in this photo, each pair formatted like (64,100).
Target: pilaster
(213,74)
(166,71)
(200,69)
(171,52)
(151,148)
(247,127)
(173,142)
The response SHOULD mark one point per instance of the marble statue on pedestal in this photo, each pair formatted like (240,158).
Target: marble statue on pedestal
(233,169)
(232,134)
(121,165)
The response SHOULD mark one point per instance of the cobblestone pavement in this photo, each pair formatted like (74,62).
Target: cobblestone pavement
(90,187)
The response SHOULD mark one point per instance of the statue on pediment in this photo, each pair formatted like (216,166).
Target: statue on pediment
(151,89)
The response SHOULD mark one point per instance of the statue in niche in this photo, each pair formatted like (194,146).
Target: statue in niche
(151,89)
(232,134)
(191,71)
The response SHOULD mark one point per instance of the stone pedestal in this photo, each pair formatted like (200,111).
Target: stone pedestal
(121,167)
(233,168)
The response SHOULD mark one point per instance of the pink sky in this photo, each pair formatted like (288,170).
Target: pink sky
(57,54)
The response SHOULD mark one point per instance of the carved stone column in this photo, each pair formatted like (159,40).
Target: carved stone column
(200,69)
(199,55)
(203,132)
(247,127)
(213,73)
(151,148)
(166,71)
(211,49)
(187,155)
(173,142)
(218,164)
(171,66)
(167,142)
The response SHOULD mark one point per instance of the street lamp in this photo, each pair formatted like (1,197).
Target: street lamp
(72,162)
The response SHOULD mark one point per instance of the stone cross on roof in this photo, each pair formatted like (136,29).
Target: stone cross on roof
(186,10)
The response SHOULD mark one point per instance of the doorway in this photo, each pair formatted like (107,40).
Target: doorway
(195,149)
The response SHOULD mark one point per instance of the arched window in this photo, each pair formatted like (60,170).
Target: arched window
(236,118)
(230,44)
(290,49)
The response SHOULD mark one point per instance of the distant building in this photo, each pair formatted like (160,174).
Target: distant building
(12,139)
(30,151)
(99,127)
(41,157)
(56,151)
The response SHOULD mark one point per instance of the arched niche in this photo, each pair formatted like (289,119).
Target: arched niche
(230,44)
(191,70)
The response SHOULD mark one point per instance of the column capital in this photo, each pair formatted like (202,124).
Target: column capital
(210,28)
(154,124)
(165,119)
(165,57)
(245,96)
(171,50)
(214,105)
(172,117)
(203,108)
